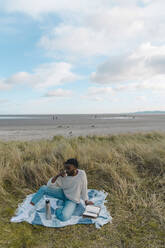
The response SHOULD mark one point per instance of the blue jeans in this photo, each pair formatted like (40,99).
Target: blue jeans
(63,213)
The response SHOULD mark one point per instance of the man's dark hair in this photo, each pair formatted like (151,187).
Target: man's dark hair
(72,161)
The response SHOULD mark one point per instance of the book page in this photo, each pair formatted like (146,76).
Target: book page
(90,214)
(92,209)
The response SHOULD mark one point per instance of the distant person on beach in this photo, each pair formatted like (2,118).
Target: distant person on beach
(70,185)
(54,117)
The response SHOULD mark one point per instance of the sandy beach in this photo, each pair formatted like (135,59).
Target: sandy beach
(36,127)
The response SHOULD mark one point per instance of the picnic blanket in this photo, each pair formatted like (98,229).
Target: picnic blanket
(38,216)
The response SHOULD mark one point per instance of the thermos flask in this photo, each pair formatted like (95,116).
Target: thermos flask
(48,210)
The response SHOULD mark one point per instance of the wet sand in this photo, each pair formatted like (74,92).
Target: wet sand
(47,126)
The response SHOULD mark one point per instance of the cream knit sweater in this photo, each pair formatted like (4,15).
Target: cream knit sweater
(74,187)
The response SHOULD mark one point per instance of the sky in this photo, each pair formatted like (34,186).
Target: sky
(82,57)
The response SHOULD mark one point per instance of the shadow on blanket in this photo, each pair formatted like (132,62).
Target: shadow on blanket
(38,216)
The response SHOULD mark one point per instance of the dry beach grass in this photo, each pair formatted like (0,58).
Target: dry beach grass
(130,167)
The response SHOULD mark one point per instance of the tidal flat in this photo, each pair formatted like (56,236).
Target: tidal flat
(37,127)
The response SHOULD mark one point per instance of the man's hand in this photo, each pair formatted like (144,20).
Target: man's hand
(89,203)
(62,173)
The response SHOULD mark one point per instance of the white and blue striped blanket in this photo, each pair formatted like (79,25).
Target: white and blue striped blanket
(38,216)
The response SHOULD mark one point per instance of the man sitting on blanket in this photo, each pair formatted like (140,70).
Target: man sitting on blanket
(69,185)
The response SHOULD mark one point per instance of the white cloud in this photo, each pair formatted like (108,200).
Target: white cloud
(44,76)
(71,40)
(100,31)
(98,34)
(146,49)
(18,78)
(59,93)
(4,101)
(90,28)
(110,29)
(100,91)
(145,66)
(155,84)
(3,85)
(147,1)
(93,98)
(49,6)
(141,98)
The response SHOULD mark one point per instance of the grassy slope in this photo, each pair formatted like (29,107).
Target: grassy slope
(129,167)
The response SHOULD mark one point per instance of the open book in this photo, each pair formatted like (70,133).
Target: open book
(91,211)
